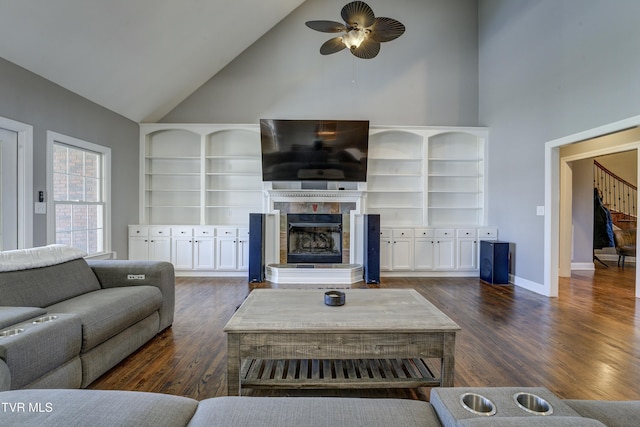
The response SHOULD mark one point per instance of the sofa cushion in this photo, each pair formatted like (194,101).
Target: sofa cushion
(310,412)
(611,413)
(107,312)
(44,286)
(63,408)
(12,315)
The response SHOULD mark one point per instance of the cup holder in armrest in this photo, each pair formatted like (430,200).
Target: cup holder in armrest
(44,319)
(11,332)
(532,404)
(477,404)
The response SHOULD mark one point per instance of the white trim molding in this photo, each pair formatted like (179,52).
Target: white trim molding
(25,179)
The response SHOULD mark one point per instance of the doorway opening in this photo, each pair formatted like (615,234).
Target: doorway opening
(616,137)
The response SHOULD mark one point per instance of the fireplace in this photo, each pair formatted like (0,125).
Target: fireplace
(314,238)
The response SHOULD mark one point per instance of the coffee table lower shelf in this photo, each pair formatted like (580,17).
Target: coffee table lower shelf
(337,374)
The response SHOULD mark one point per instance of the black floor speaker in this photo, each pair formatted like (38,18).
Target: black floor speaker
(494,262)
(256,247)
(372,248)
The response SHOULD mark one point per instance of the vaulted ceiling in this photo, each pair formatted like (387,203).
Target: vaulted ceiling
(138,58)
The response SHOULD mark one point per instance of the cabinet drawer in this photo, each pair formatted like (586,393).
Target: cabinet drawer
(226,232)
(204,231)
(159,230)
(243,232)
(466,232)
(488,233)
(385,233)
(138,230)
(424,232)
(444,232)
(181,231)
(402,232)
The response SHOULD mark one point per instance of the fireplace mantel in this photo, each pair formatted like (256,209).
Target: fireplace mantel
(340,196)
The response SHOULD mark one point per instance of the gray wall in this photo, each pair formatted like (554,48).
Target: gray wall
(428,76)
(30,99)
(548,69)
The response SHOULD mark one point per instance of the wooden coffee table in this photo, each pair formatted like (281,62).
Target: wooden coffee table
(381,338)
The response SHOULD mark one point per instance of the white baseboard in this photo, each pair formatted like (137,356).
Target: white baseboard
(528,284)
(582,266)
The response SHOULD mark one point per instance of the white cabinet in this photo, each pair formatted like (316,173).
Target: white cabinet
(467,251)
(444,250)
(243,248)
(150,243)
(385,249)
(204,246)
(192,250)
(402,249)
(396,249)
(227,248)
(159,244)
(424,249)
(138,242)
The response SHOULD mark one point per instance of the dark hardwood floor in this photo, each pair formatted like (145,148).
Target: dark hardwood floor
(585,344)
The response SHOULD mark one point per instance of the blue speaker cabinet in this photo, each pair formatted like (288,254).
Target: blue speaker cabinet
(372,248)
(494,262)
(256,247)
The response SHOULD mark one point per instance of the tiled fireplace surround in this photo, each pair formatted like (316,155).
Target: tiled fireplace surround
(344,202)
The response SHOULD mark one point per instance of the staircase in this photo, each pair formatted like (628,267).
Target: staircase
(618,195)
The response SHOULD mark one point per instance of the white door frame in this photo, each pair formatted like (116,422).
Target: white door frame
(25,179)
(554,164)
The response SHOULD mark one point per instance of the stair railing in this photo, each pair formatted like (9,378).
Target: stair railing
(617,194)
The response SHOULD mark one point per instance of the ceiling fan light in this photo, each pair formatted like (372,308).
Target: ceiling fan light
(354,38)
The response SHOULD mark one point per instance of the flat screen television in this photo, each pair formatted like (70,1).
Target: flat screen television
(314,150)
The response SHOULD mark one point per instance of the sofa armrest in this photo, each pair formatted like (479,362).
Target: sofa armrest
(116,273)
(5,377)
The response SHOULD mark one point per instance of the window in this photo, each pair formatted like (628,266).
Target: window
(79,192)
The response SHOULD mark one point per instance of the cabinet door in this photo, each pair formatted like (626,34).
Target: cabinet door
(385,253)
(445,255)
(467,254)
(182,253)
(402,256)
(423,254)
(204,253)
(139,248)
(160,249)
(243,253)
(226,253)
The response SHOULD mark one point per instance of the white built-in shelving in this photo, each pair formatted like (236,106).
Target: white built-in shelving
(455,179)
(200,174)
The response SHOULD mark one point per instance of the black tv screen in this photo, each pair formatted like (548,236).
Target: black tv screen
(314,150)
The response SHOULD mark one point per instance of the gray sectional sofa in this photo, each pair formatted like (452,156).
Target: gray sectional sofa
(65,321)
(53,408)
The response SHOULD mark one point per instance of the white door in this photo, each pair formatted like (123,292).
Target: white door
(8,189)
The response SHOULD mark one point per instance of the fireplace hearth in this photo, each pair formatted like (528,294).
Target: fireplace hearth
(314,238)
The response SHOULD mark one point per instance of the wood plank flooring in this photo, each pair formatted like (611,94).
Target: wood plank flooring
(585,344)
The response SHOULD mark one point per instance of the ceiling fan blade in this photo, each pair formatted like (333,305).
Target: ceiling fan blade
(367,50)
(332,46)
(386,29)
(326,26)
(358,14)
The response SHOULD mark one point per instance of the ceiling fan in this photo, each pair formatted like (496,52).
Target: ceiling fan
(363,32)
